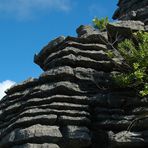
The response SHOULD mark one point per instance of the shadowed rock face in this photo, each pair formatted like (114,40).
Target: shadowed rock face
(132,10)
(74,103)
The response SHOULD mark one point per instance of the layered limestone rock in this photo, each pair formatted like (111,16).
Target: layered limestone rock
(132,10)
(74,103)
(54,110)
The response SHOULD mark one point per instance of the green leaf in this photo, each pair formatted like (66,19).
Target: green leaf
(136,56)
(100,23)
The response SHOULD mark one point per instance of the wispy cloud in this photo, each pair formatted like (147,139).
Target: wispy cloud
(25,9)
(4,86)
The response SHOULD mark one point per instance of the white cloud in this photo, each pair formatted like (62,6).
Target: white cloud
(4,86)
(24,9)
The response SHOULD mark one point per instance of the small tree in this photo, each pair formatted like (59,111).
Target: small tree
(100,23)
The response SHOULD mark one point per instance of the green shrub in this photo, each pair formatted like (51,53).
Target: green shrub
(135,53)
(100,23)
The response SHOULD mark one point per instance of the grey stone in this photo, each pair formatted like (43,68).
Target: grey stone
(27,121)
(98,37)
(128,139)
(83,31)
(29,145)
(75,61)
(89,32)
(123,29)
(132,25)
(45,134)
(70,43)
(80,121)
(51,45)
(131,10)
(86,75)
(30,82)
(101,55)
(75,136)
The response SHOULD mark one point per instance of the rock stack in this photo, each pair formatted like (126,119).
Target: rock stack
(132,10)
(54,110)
(75,103)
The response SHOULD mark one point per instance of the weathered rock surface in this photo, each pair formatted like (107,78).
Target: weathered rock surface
(126,139)
(132,10)
(74,103)
(29,145)
(125,27)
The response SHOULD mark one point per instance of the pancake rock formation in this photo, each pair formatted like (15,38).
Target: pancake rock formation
(74,103)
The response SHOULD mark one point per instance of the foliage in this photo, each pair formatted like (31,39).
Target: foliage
(135,53)
(100,23)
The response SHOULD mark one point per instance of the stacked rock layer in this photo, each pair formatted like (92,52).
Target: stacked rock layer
(132,10)
(74,103)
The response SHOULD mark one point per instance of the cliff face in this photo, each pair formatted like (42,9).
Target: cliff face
(132,10)
(74,103)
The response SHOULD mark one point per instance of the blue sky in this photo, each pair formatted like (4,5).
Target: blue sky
(28,25)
